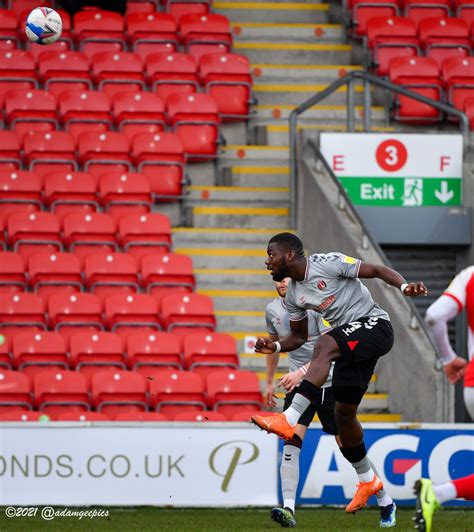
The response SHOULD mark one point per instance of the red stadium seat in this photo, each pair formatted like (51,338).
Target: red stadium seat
(116,72)
(234,391)
(21,7)
(5,353)
(51,273)
(85,111)
(92,352)
(137,6)
(15,392)
(8,30)
(101,152)
(123,194)
(141,112)
(195,118)
(129,313)
(34,232)
(172,73)
(205,34)
(21,310)
(173,392)
(34,352)
(89,233)
(206,352)
(83,416)
(18,71)
(70,192)
(49,152)
(188,313)
(165,274)
(109,274)
(161,158)
(12,273)
(63,71)
(201,417)
(443,38)
(37,51)
(30,110)
(74,313)
(152,33)
(147,351)
(420,75)
(58,392)
(10,155)
(19,191)
(178,8)
(365,10)
(226,77)
(19,416)
(391,37)
(458,76)
(99,31)
(245,415)
(418,10)
(116,392)
(141,417)
(469,110)
(141,234)
(465,10)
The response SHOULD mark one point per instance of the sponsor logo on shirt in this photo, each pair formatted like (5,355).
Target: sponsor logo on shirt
(325,304)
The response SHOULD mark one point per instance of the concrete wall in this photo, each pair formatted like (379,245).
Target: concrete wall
(416,388)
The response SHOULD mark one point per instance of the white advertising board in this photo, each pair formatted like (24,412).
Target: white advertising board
(60,464)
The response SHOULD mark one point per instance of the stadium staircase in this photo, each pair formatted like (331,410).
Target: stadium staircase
(235,206)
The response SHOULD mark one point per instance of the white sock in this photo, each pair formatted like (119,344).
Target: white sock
(383,498)
(368,476)
(290,474)
(445,492)
(292,416)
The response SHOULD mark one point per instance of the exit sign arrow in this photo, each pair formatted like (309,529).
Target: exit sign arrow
(444,195)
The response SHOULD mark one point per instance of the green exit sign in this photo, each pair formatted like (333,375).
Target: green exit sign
(403,192)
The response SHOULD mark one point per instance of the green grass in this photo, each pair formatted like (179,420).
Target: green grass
(315,519)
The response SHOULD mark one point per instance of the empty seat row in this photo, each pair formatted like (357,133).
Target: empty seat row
(417,11)
(226,77)
(122,313)
(453,84)
(144,33)
(103,274)
(193,117)
(33,352)
(115,391)
(439,39)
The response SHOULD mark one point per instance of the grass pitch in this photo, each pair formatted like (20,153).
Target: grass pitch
(157,519)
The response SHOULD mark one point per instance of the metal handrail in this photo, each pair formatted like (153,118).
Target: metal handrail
(349,80)
(345,203)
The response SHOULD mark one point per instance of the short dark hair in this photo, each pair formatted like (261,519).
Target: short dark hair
(289,242)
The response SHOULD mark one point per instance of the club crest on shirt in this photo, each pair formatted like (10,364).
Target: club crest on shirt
(321,285)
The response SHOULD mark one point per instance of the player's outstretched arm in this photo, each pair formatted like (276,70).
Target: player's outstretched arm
(391,277)
(297,337)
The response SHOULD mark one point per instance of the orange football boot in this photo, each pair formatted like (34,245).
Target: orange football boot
(364,491)
(275,424)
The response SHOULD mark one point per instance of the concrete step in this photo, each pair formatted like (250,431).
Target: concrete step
(228,299)
(285,32)
(200,194)
(297,93)
(225,257)
(278,114)
(242,216)
(206,236)
(235,320)
(279,134)
(310,73)
(257,278)
(243,176)
(295,52)
(284,12)
(262,155)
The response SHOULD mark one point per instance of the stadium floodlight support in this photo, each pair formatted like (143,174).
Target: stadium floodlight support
(350,80)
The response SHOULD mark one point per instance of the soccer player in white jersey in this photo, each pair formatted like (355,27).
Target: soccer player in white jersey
(361,333)
(278,326)
(458,295)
